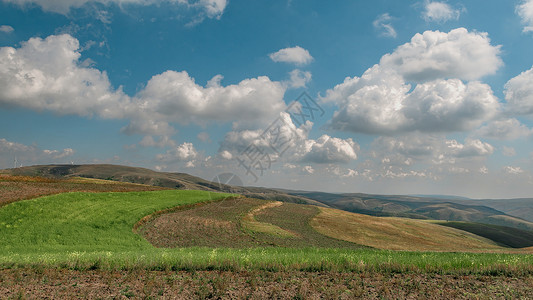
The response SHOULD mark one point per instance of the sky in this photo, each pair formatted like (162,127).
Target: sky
(388,97)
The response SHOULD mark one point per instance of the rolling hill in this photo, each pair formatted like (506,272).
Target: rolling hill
(496,212)
(439,208)
(144,176)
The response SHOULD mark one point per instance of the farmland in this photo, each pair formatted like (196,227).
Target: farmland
(198,244)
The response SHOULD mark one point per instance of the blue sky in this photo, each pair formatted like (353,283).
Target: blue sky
(419,97)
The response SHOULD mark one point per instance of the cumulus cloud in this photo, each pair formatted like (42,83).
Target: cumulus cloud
(383,24)
(519,93)
(434,54)
(283,132)
(435,11)
(44,74)
(6,29)
(184,152)
(506,129)
(175,97)
(525,11)
(382,101)
(291,142)
(328,149)
(294,55)
(379,102)
(47,75)
(299,78)
(211,8)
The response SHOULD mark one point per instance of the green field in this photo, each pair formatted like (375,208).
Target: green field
(86,221)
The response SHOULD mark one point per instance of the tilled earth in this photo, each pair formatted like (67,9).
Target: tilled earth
(99,284)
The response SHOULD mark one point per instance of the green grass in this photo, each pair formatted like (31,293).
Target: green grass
(280,259)
(85,221)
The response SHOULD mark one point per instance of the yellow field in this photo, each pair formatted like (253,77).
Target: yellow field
(401,233)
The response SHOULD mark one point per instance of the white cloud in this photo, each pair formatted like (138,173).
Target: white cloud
(471,148)
(294,55)
(211,8)
(435,11)
(519,93)
(59,154)
(328,149)
(175,97)
(184,152)
(214,8)
(294,144)
(29,155)
(434,54)
(428,150)
(525,11)
(6,29)
(45,75)
(284,131)
(382,23)
(506,129)
(380,101)
(308,170)
(299,78)
(513,170)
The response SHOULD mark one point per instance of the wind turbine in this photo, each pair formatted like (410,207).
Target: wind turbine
(15,162)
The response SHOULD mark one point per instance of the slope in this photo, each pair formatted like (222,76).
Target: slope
(398,233)
(181,181)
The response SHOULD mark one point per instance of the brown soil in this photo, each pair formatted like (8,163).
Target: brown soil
(99,284)
(16,188)
(210,225)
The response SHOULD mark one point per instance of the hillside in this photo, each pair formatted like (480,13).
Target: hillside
(144,176)
(438,208)
(506,236)
(494,212)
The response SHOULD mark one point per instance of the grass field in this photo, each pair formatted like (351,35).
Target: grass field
(85,221)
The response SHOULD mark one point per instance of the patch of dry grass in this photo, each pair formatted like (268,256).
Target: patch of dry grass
(398,233)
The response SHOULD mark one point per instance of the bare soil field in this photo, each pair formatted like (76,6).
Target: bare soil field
(99,284)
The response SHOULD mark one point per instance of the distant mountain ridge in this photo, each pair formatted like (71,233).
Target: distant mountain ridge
(494,212)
